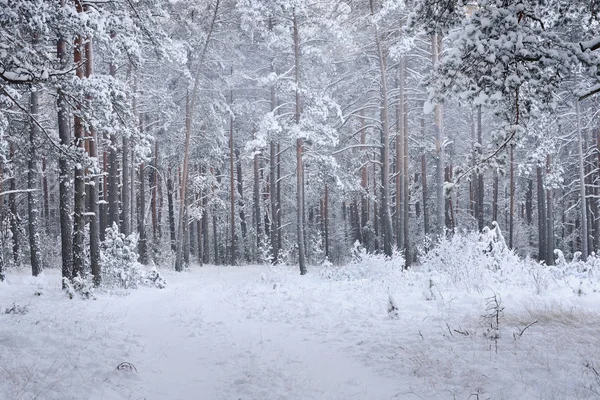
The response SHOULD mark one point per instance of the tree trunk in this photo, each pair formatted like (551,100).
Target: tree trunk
(299,151)
(385,147)
(242,205)
(125,190)
(549,218)
(154,199)
(541,209)
(273,200)
(14,211)
(79,186)
(256,202)
(32,196)
(94,214)
(511,215)
(364,183)
(171,211)
(182,204)
(232,186)
(400,162)
(64,170)
(46,195)
(495,187)
(436,43)
(582,197)
(141,207)
(480,188)
(326,223)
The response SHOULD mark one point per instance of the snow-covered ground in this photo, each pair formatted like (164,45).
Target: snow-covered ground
(260,332)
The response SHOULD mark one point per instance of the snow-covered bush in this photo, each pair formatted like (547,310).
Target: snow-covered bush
(119,257)
(81,286)
(363,265)
(472,259)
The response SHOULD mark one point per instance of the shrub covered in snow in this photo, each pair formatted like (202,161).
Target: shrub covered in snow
(472,259)
(363,265)
(119,260)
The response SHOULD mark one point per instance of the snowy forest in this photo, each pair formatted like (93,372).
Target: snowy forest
(440,144)
(251,131)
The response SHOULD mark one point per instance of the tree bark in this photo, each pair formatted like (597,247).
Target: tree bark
(511,215)
(480,188)
(299,151)
(142,243)
(94,214)
(256,202)
(32,197)
(64,170)
(549,218)
(436,42)
(79,186)
(241,204)
(14,211)
(385,147)
(582,188)
(541,209)
(233,257)
(171,211)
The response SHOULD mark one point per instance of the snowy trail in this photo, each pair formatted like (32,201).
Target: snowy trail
(195,343)
(266,333)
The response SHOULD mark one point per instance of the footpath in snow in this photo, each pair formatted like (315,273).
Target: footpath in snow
(368,331)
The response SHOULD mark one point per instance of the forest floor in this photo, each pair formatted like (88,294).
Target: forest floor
(261,332)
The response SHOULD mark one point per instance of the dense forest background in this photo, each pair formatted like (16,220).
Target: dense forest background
(294,131)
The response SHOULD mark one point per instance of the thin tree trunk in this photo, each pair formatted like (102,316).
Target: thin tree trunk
(126,190)
(511,215)
(46,195)
(582,198)
(113,170)
(480,188)
(232,185)
(549,218)
(242,205)
(299,151)
(79,187)
(406,192)
(439,144)
(495,186)
(95,183)
(364,183)
(385,144)
(256,202)
(273,200)
(141,207)
(400,161)
(153,201)
(326,223)
(182,204)
(32,199)
(64,171)
(14,211)
(541,210)
(171,211)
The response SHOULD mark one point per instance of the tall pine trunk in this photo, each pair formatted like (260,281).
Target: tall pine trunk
(64,134)
(541,210)
(141,207)
(582,198)
(32,197)
(299,151)
(385,147)
(79,175)
(436,42)
(94,212)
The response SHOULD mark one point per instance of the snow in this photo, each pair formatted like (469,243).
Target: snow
(261,332)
